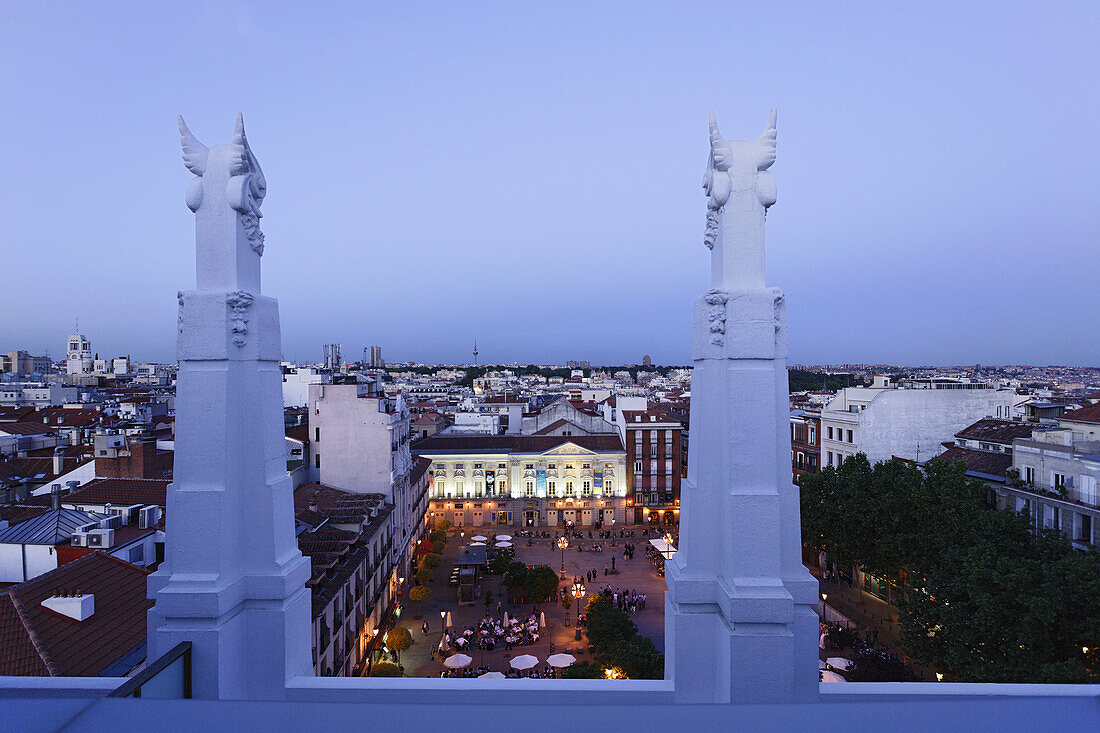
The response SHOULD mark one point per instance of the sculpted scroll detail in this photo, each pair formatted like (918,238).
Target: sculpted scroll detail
(239,303)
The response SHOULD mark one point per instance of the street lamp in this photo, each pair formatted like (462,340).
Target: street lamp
(563,542)
(578,594)
(442,627)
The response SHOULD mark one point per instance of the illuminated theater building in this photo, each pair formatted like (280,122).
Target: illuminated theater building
(527,480)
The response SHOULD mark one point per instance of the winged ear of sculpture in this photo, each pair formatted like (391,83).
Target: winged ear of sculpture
(235,163)
(739,190)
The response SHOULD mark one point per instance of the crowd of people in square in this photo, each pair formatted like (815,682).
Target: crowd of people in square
(490,633)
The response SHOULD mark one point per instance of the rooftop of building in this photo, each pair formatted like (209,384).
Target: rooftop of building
(992,430)
(37,641)
(599,443)
(1088,414)
(121,492)
(980,463)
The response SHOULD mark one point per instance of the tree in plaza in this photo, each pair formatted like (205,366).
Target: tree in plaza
(617,643)
(541,584)
(582,671)
(420,593)
(987,600)
(438,536)
(515,580)
(500,561)
(385,669)
(425,575)
(567,603)
(488,600)
(398,639)
(442,524)
(431,560)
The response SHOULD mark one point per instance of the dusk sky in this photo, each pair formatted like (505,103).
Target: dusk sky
(528,174)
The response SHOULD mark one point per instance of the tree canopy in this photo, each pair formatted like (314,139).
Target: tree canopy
(617,643)
(987,600)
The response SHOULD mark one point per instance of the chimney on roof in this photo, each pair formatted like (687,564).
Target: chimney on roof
(313,504)
(72,486)
(58,461)
(55,497)
(77,606)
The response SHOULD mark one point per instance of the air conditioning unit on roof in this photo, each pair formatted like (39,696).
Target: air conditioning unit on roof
(148,517)
(79,539)
(101,538)
(129,514)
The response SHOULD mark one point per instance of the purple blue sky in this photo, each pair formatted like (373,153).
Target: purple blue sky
(527,174)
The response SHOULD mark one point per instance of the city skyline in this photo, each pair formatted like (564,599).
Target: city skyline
(452,174)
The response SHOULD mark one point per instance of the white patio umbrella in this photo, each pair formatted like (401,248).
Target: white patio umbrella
(456,661)
(524,661)
(479,538)
(505,619)
(504,544)
(560,660)
(839,663)
(504,537)
(542,619)
(491,676)
(827,676)
(477,544)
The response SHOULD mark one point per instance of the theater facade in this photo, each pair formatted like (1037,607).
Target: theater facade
(527,480)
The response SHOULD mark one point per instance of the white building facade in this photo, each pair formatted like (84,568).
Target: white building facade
(908,423)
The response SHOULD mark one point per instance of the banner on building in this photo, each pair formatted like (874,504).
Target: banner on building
(597,479)
(490,480)
(540,482)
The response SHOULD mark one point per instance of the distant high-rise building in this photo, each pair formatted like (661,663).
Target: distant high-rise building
(647,361)
(475,352)
(577,365)
(332,356)
(374,361)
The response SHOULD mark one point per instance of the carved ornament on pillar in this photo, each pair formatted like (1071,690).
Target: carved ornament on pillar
(246,187)
(239,303)
(179,313)
(716,315)
(739,191)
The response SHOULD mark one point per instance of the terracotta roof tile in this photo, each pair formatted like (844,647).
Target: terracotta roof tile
(1089,414)
(121,491)
(66,647)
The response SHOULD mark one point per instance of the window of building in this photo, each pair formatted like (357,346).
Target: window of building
(637,466)
(458,488)
(850,437)
(477,465)
(1057,480)
(530,488)
(608,486)
(529,467)
(316,460)
(586,465)
(812,435)
(551,466)
(829,459)
(653,451)
(551,489)
(1029,474)
(502,465)
(830,432)
(569,488)
(586,488)
(460,466)
(317,435)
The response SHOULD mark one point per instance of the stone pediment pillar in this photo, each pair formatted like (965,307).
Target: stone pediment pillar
(740,618)
(233,581)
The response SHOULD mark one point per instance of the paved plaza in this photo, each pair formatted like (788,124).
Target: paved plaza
(638,575)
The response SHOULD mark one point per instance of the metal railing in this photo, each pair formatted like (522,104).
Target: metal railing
(166,678)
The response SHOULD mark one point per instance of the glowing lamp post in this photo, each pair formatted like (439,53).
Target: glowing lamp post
(563,542)
(578,594)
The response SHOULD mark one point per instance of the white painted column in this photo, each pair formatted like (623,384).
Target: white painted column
(233,580)
(740,620)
